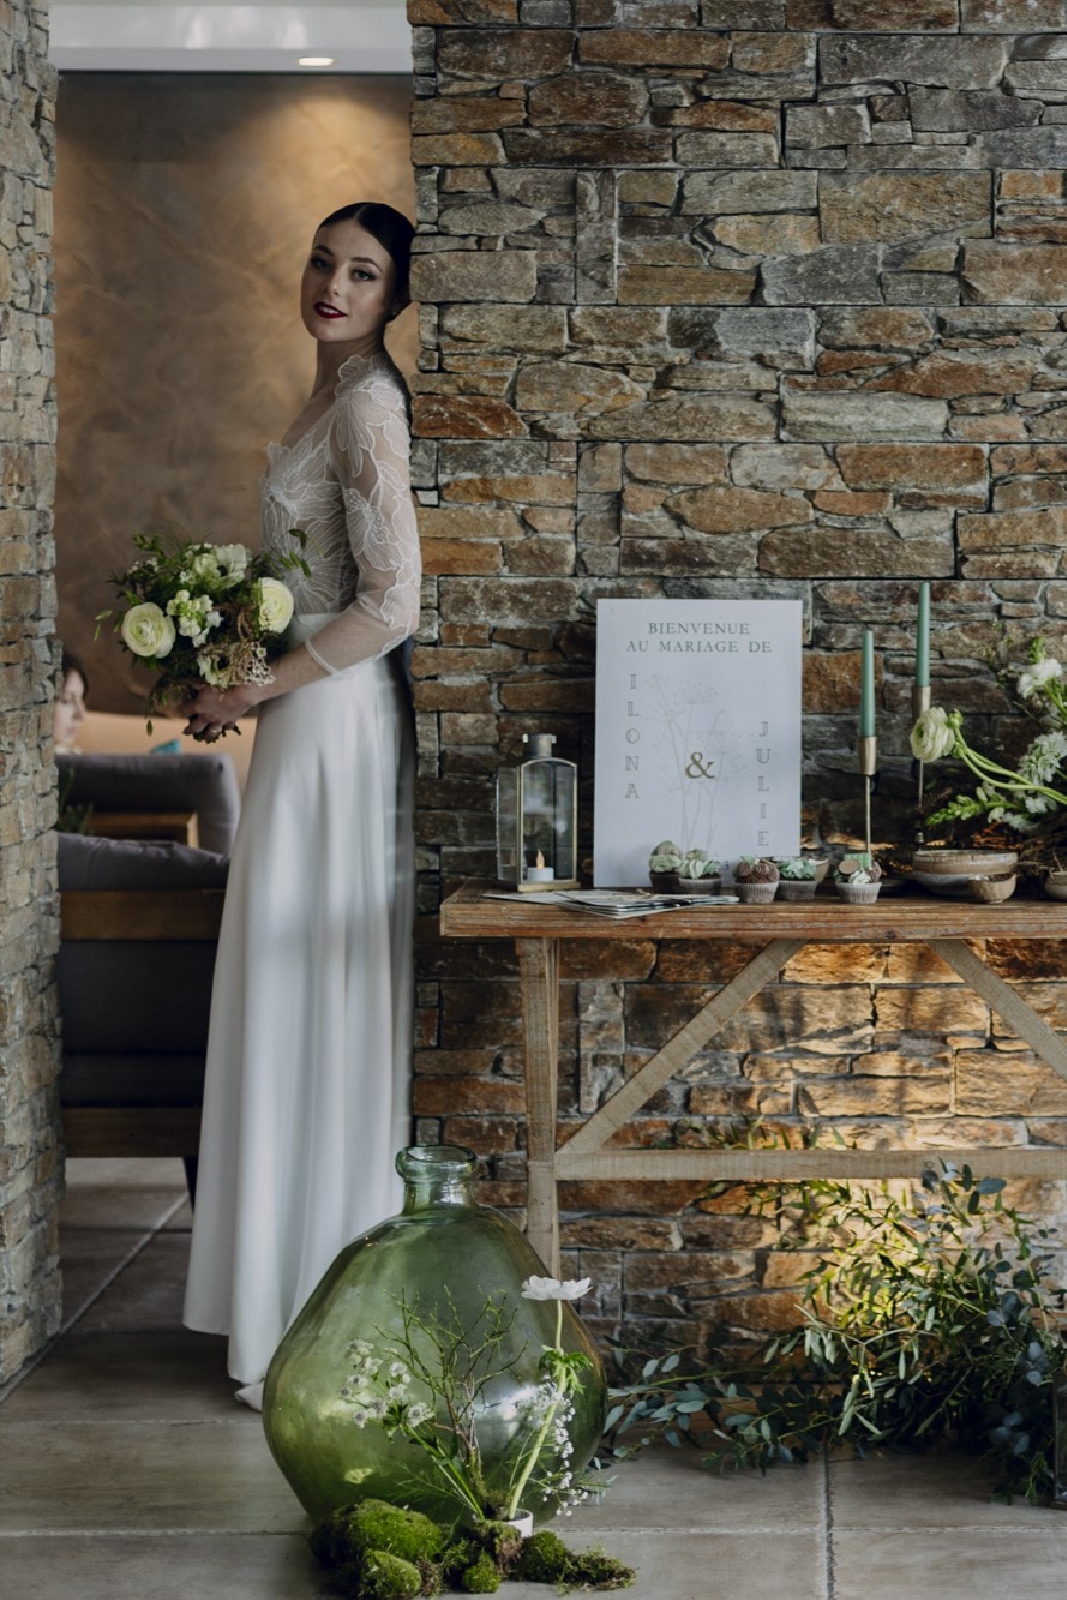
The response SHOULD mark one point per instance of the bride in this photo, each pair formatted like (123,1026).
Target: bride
(306,1095)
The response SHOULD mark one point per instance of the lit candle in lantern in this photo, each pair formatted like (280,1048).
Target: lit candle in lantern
(539,873)
(867,687)
(922,641)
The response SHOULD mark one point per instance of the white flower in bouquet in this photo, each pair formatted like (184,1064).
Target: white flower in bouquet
(1044,758)
(933,735)
(1040,672)
(146,631)
(232,562)
(203,566)
(553,1289)
(195,615)
(275,605)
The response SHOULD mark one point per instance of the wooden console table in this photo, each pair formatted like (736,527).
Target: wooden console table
(944,925)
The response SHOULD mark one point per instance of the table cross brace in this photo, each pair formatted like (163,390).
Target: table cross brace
(677,1053)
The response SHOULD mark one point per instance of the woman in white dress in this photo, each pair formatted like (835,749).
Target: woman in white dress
(308,1067)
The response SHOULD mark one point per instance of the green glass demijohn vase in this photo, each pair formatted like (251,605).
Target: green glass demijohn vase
(441,1260)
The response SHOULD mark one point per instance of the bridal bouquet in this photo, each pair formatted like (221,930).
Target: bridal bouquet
(1029,796)
(199,613)
(452,1367)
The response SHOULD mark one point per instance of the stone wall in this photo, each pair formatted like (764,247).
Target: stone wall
(29,1172)
(732,298)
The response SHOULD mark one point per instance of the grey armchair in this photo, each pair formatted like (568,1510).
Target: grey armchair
(204,786)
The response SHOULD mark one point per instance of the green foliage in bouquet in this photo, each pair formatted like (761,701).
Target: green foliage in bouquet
(197,613)
(925,1318)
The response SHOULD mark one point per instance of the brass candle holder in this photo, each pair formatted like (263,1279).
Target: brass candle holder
(920,702)
(868,754)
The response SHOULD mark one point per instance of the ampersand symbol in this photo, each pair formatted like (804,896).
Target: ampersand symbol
(697,767)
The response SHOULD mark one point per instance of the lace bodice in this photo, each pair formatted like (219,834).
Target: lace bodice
(345,484)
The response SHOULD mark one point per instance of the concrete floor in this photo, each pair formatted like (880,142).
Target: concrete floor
(127,1468)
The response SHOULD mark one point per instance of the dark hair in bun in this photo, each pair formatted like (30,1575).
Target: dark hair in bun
(390,227)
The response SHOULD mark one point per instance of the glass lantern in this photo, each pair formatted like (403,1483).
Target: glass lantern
(537,819)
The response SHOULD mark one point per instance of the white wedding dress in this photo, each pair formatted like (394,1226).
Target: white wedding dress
(308,1067)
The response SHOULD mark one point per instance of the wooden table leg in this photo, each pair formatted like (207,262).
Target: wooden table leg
(539,967)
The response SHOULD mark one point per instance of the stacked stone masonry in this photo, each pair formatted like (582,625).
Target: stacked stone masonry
(758,298)
(29,923)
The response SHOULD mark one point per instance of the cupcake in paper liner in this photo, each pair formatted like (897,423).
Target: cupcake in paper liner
(663,863)
(858,881)
(699,873)
(797,878)
(756,880)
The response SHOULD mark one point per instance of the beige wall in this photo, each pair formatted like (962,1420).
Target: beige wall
(184,205)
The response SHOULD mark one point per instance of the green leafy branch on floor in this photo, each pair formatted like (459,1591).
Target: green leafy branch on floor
(926,1316)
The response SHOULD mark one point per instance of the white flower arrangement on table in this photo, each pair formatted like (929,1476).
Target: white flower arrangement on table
(453,1365)
(1018,797)
(199,613)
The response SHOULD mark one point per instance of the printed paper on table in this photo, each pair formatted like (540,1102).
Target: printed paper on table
(698,731)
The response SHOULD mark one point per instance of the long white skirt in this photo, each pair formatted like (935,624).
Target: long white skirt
(308,1070)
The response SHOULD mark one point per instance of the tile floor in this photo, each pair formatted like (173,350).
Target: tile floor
(127,1469)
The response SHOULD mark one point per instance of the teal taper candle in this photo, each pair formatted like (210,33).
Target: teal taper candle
(867,687)
(922,642)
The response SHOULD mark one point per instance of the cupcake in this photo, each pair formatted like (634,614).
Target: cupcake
(798,878)
(756,880)
(663,864)
(699,874)
(858,881)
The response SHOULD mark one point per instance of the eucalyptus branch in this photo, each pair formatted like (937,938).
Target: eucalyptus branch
(924,1317)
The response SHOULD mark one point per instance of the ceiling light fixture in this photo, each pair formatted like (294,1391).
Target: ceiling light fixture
(315,61)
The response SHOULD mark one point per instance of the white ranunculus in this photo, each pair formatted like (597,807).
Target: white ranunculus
(933,736)
(147,632)
(275,605)
(553,1289)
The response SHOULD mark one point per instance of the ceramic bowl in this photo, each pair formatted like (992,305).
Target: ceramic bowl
(986,875)
(964,863)
(968,887)
(1056,885)
(992,891)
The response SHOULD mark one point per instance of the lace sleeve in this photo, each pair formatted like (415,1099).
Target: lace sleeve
(368,455)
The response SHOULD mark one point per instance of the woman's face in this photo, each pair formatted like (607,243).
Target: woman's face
(69,712)
(346,293)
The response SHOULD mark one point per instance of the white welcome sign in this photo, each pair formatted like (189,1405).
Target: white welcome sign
(698,731)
